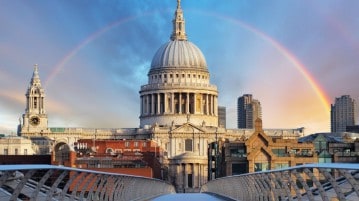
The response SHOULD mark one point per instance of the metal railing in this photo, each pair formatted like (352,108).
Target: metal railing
(47,182)
(323,181)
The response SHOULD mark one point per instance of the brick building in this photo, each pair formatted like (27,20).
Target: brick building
(136,157)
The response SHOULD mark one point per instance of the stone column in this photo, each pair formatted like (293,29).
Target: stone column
(187,103)
(152,104)
(144,104)
(158,104)
(216,106)
(185,183)
(147,104)
(207,105)
(200,175)
(141,105)
(178,175)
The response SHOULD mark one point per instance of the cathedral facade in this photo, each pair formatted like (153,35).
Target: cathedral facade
(178,110)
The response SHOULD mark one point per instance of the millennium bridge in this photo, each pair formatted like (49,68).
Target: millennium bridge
(328,182)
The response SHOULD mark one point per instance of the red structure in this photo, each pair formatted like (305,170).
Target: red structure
(135,157)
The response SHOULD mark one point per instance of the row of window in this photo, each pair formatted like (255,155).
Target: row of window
(16,151)
(188,146)
(155,77)
(241,152)
(135,144)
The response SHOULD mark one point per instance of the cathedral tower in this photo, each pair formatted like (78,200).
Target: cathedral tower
(35,118)
(178,89)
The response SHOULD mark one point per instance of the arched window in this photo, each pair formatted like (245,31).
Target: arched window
(109,151)
(35,102)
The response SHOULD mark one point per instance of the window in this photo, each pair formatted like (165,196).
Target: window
(144,144)
(190,180)
(279,152)
(171,75)
(188,145)
(240,168)
(281,165)
(261,162)
(238,152)
(320,146)
(135,144)
(127,144)
(306,152)
(325,160)
(294,151)
(261,166)
(25,151)
(6,152)
(109,151)
(16,151)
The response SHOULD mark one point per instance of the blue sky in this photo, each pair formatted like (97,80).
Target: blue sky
(93,56)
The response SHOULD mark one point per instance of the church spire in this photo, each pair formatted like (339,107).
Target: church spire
(179,32)
(35,80)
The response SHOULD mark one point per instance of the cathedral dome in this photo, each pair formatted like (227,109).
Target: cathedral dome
(180,54)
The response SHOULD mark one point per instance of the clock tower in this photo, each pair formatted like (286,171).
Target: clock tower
(34,121)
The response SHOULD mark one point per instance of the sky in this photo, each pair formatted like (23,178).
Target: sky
(293,56)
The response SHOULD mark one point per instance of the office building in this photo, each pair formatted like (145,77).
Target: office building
(343,113)
(222,116)
(248,110)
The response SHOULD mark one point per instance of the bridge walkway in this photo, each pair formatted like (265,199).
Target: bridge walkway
(190,197)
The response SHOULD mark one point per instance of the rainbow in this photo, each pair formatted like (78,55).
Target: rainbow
(60,65)
(74,51)
(323,97)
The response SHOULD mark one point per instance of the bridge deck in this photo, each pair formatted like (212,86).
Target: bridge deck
(190,197)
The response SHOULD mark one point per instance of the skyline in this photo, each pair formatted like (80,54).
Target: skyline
(93,57)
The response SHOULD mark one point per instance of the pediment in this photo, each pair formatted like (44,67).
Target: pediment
(188,128)
(258,137)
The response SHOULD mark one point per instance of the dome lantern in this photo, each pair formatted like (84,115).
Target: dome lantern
(179,31)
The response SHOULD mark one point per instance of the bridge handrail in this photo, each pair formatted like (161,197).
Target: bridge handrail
(328,180)
(77,184)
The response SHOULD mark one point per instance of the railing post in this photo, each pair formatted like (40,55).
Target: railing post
(22,183)
(317,184)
